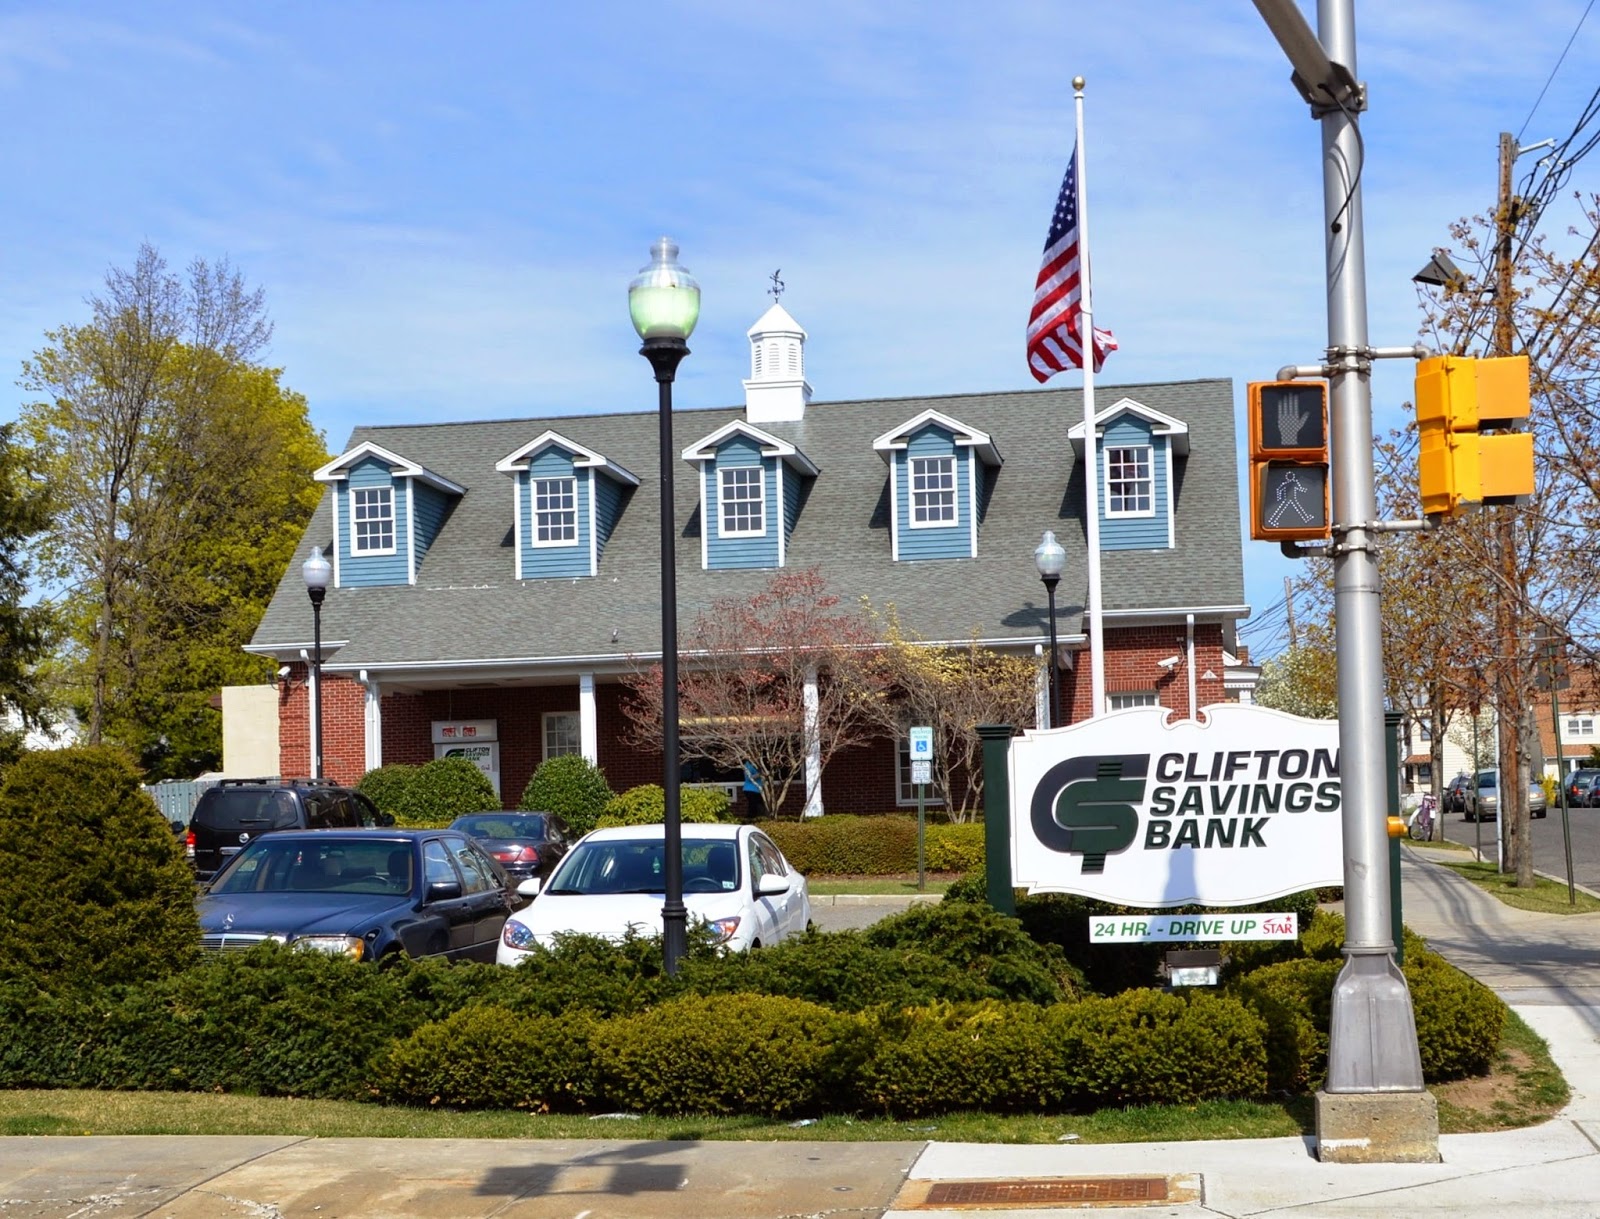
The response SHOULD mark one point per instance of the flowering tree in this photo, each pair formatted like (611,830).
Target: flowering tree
(952,689)
(745,668)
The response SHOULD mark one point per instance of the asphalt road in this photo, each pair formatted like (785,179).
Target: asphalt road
(1549,855)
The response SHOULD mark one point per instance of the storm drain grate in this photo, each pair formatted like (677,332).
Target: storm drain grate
(1037,1192)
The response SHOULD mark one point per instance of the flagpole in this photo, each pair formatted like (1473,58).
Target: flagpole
(1091,480)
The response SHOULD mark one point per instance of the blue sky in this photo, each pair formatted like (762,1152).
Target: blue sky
(444,203)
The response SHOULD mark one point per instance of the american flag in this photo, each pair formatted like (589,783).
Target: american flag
(1054,343)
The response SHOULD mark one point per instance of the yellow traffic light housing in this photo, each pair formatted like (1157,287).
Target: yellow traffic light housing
(1459,467)
(1288,423)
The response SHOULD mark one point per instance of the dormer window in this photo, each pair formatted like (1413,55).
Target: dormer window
(555,512)
(1129,482)
(565,501)
(743,501)
(374,520)
(933,492)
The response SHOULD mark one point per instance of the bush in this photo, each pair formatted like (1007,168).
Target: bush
(572,788)
(848,846)
(491,1058)
(1295,1000)
(442,790)
(94,888)
(647,805)
(387,786)
(728,1054)
(1146,1047)
(943,1057)
(1459,1020)
(954,848)
(981,942)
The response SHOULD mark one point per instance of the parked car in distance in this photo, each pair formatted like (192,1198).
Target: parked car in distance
(237,811)
(735,880)
(366,894)
(524,844)
(1454,799)
(1581,787)
(1485,804)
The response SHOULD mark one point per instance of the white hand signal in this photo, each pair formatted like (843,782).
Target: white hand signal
(1290,419)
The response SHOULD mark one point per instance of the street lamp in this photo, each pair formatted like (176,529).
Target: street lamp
(664,302)
(317,572)
(1050,558)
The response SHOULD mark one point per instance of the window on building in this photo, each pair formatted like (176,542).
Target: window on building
(1132,698)
(373,508)
(555,511)
(933,491)
(1130,489)
(1580,725)
(742,501)
(562,734)
(905,789)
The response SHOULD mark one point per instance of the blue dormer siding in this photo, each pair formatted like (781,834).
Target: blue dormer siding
(430,506)
(1149,532)
(549,560)
(741,551)
(607,511)
(370,570)
(953,541)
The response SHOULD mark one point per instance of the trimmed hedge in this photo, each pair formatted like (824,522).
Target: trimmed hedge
(571,787)
(847,845)
(647,805)
(433,794)
(730,1054)
(386,786)
(94,888)
(985,944)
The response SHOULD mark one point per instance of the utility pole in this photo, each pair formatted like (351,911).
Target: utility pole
(1288,602)
(1509,682)
(1374,1107)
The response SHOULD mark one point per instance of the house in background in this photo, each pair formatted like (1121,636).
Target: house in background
(495,580)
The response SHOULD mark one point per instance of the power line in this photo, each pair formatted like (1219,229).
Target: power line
(1559,61)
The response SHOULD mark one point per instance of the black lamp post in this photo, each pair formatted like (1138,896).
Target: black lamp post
(1049,559)
(317,572)
(664,301)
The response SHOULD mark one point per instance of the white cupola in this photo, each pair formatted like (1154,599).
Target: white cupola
(777,391)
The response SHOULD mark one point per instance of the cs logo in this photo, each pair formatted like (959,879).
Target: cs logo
(1085,806)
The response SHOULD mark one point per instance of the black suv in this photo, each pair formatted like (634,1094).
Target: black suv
(1580,785)
(238,810)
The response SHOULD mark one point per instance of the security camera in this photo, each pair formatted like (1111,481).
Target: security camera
(1169,663)
(283,671)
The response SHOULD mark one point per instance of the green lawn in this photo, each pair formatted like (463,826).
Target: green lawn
(1546,896)
(878,885)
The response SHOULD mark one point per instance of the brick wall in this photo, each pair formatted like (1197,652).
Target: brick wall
(861,779)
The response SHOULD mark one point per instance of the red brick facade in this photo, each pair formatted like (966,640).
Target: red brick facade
(858,780)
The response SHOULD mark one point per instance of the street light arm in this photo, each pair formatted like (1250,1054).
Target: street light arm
(1320,80)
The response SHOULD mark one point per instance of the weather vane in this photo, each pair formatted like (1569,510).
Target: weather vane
(777,286)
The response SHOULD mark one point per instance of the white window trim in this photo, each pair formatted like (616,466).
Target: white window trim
(911,493)
(533,512)
(783,513)
(544,731)
(1168,462)
(761,485)
(894,510)
(1148,698)
(516,524)
(362,552)
(1123,514)
(594,527)
(411,533)
(338,543)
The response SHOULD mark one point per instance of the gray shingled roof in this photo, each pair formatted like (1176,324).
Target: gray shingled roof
(468,607)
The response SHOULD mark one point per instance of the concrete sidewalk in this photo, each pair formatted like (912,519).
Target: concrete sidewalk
(1546,966)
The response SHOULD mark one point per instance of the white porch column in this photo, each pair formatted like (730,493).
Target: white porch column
(813,741)
(1041,688)
(588,720)
(372,722)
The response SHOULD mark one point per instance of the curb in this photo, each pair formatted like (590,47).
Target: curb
(1439,855)
(873,899)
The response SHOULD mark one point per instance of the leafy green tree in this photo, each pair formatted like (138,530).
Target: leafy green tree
(25,630)
(179,473)
(1302,680)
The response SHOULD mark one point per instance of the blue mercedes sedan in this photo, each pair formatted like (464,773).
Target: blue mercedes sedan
(367,894)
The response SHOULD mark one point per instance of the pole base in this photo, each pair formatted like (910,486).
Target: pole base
(1372,1037)
(1377,1128)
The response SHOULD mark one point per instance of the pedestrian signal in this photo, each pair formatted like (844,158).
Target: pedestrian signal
(1459,467)
(1288,461)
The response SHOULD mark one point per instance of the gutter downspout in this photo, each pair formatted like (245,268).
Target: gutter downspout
(1189,632)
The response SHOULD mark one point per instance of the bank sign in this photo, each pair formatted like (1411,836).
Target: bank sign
(1236,808)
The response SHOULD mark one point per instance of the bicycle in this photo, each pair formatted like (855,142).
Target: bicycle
(1420,827)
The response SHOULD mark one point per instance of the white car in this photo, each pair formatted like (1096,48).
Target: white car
(734,879)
